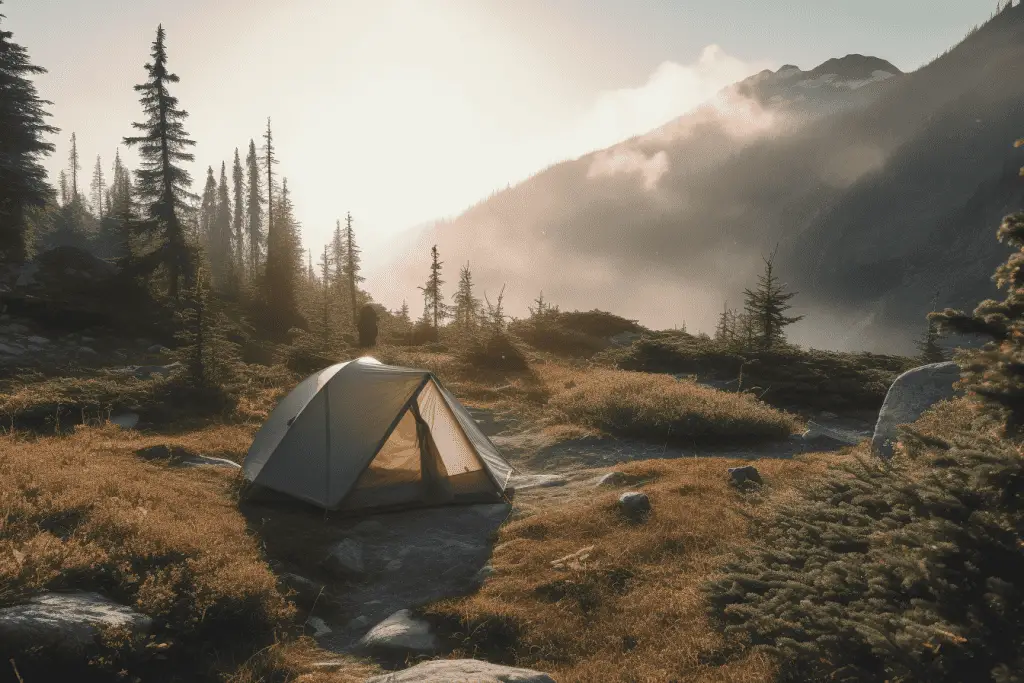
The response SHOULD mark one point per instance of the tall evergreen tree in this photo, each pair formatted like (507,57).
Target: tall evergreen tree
(284,260)
(270,161)
(254,206)
(63,183)
(121,214)
(74,166)
(326,263)
(162,184)
(98,188)
(466,304)
(22,120)
(766,306)
(434,308)
(208,209)
(221,252)
(238,217)
(350,268)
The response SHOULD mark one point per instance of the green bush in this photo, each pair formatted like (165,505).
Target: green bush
(492,351)
(909,571)
(787,377)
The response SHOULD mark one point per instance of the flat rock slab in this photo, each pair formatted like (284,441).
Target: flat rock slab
(66,622)
(408,559)
(462,671)
(400,634)
(909,397)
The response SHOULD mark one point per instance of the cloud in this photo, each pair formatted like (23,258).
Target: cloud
(626,160)
(671,91)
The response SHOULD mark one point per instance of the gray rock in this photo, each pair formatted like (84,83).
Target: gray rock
(401,633)
(393,565)
(634,504)
(14,328)
(38,341)
(306,590)
(87,340)
(486,572)
(909,397)
(819,433)
(345,559)
(27,276)
(359,622)
(612,479)
(319,626)
(462,671)
(66,622)
(157,348)
(125,420)
(741,475)
(85,350)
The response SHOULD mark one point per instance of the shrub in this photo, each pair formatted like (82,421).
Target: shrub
(905,571)
(659,407)
(494,351)
(786,377)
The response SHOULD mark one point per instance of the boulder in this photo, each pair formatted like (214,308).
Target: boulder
(909,397)
(400,634)
(38,341)
(612,479)
(319,626)
(462,671)
(742,475)
(345,559)
(125,420)
(635,505)
(820,434)
(66,623)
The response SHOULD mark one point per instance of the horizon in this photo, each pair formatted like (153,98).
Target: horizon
(430,127)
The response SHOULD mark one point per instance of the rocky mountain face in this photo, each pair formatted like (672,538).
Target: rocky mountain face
(883,191)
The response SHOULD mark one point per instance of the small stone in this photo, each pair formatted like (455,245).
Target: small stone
(612,479)
(38,341)
(85,350)
(359,622)
(87,340)
(346,559)
(319,626)
(393,565)
(634,504)
(158,348)
(401,633)
(741,475)
(485,573)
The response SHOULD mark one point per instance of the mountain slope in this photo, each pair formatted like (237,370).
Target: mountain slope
(870,184)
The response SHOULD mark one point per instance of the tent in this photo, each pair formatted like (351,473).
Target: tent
(362,435)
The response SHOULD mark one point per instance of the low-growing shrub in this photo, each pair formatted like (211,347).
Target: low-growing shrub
(907,571)
(662,408)
(493,352)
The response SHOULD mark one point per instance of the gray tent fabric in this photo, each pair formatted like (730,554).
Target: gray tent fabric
(362,434)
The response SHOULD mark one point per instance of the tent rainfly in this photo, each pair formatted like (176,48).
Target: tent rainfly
(362,435)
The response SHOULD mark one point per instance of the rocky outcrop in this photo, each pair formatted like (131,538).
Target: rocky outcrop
(913,392)
(66,623)
(400,634)
(462,670)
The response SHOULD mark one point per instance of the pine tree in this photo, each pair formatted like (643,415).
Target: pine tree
(221,254)
(338,284)
(64,195)
(434,310)
(208,209)
(162,184)
(209,357)
(284,261)
(98,188)
(765,307)
(270,161)
(496,313)
(22,119)
(995,373)
(121,213)
(74,166)
(238,217)
(466,305)
(724,330)
(351,267)
(326,263)
(254,204)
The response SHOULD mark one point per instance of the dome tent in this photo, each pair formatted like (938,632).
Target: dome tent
(363,435)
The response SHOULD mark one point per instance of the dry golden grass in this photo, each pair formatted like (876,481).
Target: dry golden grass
(660,407)
(633,609)
(84,512)
(298,661)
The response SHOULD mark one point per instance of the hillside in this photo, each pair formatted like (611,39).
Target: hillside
(875,202)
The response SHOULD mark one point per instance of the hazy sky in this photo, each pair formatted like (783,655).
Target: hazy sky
(403,111)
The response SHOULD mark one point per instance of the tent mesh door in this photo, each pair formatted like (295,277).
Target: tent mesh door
(397,463)
(466,474)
